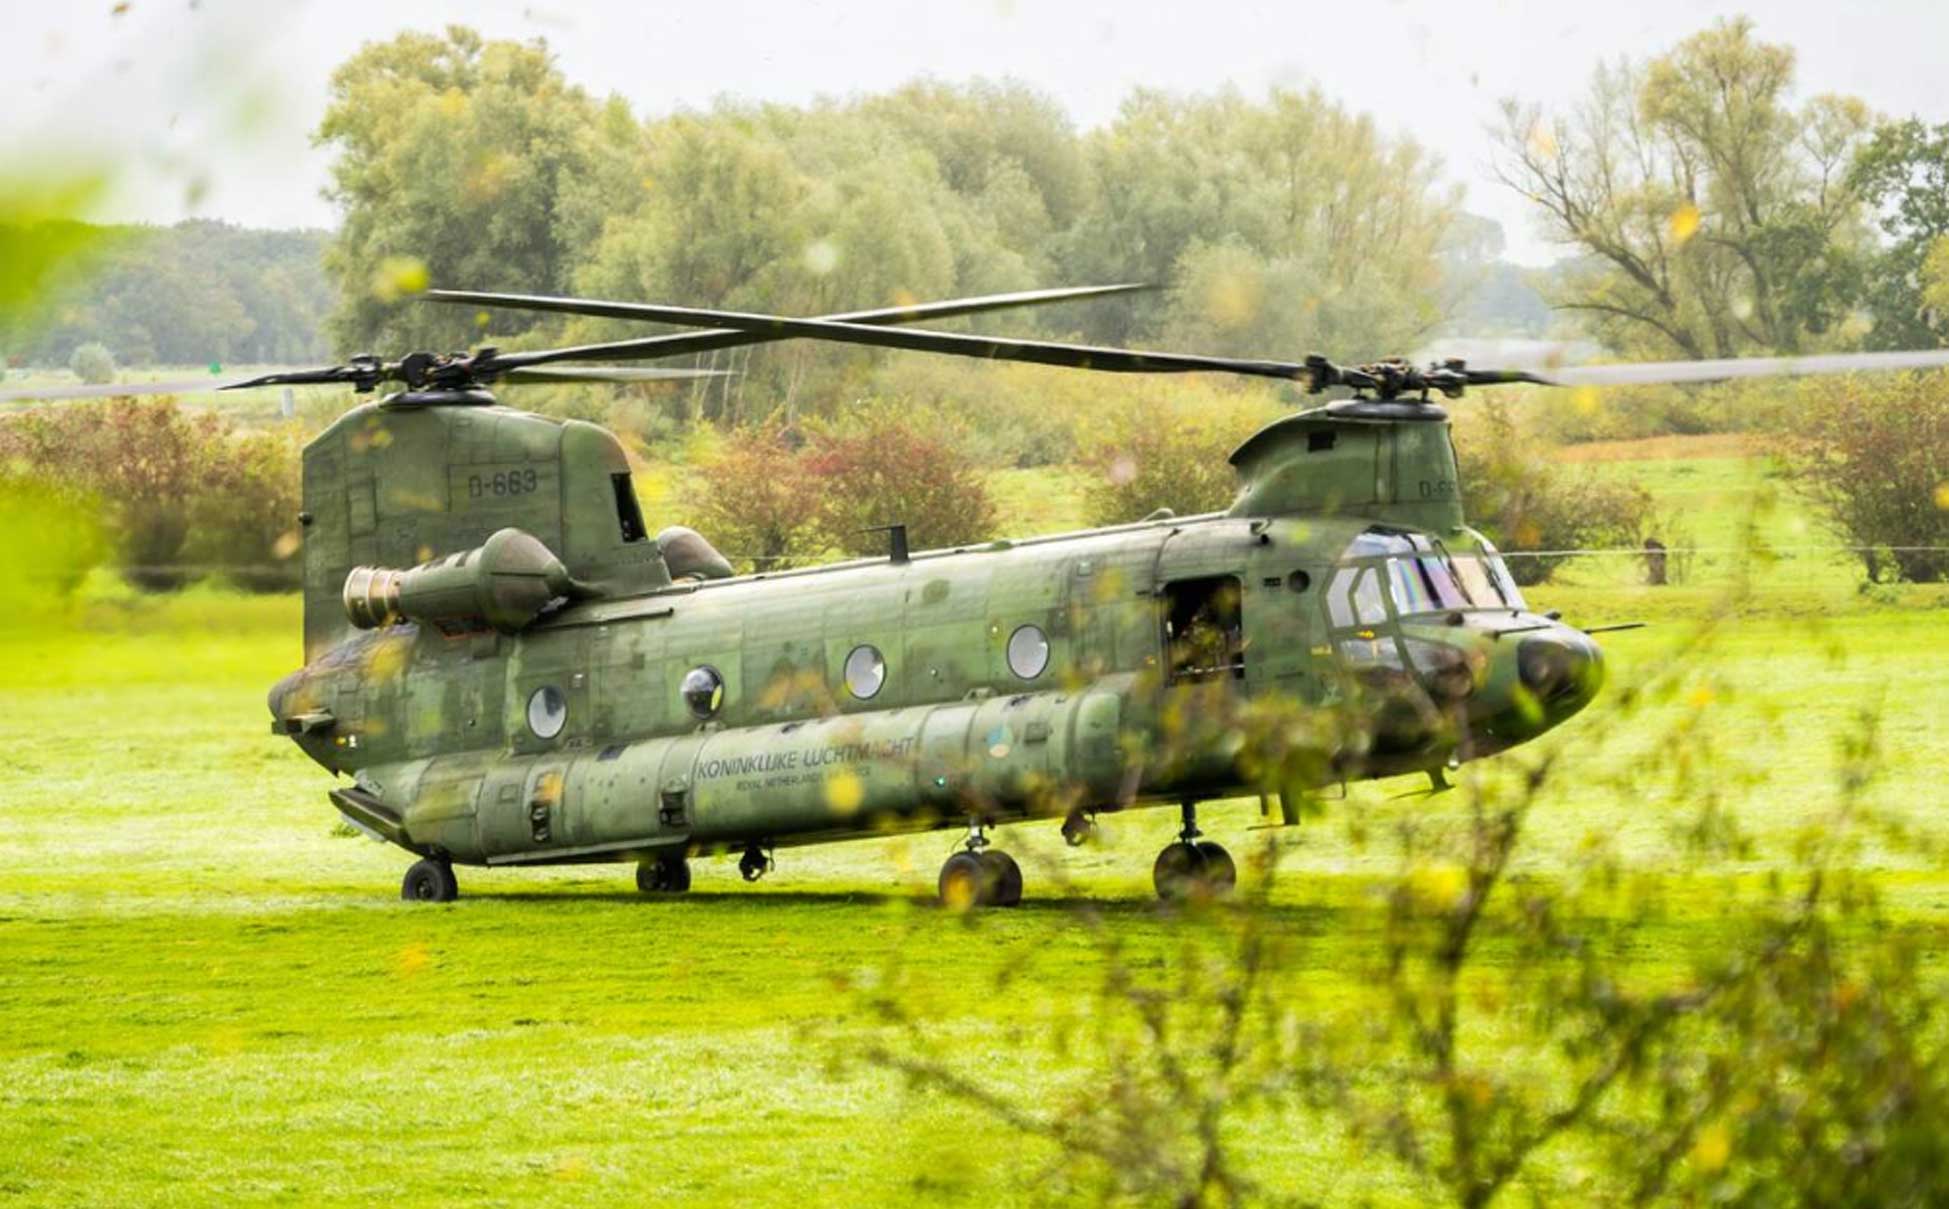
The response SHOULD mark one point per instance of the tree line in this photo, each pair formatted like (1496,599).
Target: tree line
(188,294)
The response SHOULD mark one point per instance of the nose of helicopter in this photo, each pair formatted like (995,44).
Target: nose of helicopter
(1561,669)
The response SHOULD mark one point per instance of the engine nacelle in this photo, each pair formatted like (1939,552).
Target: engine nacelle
(504,585)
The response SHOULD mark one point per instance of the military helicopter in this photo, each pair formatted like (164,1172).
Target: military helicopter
(512,670)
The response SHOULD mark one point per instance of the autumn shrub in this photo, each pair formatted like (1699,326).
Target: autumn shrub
(176,491)
(755,501)
(1150,455)
(246,521)
(1872,452)
(774,497)
(1530,505)
(883,466)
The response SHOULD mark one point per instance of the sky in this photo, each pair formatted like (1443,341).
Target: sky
(205,107)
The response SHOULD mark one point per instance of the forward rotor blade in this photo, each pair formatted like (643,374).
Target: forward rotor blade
(1736,367)
(999,348)
(608,373)
(651,347)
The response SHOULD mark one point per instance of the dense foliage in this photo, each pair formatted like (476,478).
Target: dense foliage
(1147,456)
(462,160)
(181,495)
(775,497)
(1534,508)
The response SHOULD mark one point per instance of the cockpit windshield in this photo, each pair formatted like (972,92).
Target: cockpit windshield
(1423,576)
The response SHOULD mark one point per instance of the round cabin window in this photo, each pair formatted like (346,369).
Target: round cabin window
(1028,652)
(703,691)
(547,711)
(866,671)
(1299,581)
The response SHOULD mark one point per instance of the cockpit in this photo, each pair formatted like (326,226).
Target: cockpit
(1419,574)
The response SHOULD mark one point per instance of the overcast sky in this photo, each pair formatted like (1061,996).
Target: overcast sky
(205,106)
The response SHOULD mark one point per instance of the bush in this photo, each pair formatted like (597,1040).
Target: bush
(246,522)
(1513,491)
(775,498)
(1148,456)
(757,501)
(881,467)
(1873,454)
(93,363)
(164,476)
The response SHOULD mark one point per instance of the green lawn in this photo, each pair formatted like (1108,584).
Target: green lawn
(209,993)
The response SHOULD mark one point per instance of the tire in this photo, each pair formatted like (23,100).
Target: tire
(966,882)
(429,881)
(663,875)
(1221,874)
(1004,879)
(1178,872)
(1187,872)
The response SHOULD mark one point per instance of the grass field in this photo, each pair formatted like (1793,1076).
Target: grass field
(210,994)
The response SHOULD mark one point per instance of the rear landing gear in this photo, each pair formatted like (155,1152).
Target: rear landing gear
(979,876)
(663,875)
(1193,868)
(429,881)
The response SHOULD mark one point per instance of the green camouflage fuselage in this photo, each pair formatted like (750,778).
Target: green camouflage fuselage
(570,737)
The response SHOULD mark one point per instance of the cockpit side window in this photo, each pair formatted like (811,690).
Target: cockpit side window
(1353,598)
(629,513)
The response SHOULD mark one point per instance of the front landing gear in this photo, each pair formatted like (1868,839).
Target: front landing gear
(754,864)
(1193,868)
(668,874)
(429,881)
(979,876)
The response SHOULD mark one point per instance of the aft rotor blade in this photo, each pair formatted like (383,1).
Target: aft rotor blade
(682,344)
(1737,367)
(998,348)
(607,373)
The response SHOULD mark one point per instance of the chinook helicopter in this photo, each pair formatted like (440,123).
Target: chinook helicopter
(513,670)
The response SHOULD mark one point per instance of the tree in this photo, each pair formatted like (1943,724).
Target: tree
(1716,219)
(1287,224)
(1903,173)
(1873,452)
(453,157)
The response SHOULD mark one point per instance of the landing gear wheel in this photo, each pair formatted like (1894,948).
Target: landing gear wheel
(664,875)
(1175,873)
(429,881)
(1221,873)
(754,864)
(965,881)
(1004,879)
(1187,871)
